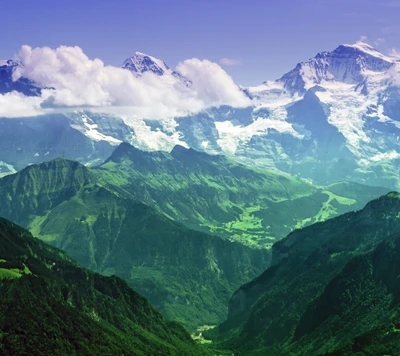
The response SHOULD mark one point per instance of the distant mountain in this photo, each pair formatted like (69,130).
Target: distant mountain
(34,140)
(215,194)
(331,286)
(141,63)
(8,84)
(332,118)
(51,306)
(188,275)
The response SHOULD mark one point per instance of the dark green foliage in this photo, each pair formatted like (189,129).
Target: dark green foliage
(333,285)
(62,309)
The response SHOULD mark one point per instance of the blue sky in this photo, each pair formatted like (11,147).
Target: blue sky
(263,39)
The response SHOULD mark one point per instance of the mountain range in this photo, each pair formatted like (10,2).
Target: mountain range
(332,118)
(124,217)
(188,275)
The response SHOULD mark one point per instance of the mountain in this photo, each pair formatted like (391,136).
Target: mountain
(34,140)
(22,85)
(141,63)
(51,306)
(332,118)
(187,275)
(343,296)
(215,194)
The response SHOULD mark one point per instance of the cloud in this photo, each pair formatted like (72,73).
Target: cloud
(212,84)
(394,53)
(379,41)
(363,39)
(394,74)
(230,62)
(15,104)
(72,80)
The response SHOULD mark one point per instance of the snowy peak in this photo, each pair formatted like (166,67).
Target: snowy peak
(349,64)
(141,63)
(365,49)
(10,63)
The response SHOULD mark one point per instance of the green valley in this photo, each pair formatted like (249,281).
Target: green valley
(215,194)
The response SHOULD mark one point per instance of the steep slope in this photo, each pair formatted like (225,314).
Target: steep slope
(215,194)
(364,298)
(51,306)
(336,294)
(188,275)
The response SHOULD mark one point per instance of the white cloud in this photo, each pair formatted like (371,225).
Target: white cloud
(394,53)
(15,104)
(363,39)
(212,84)
(73,80)
(394,74)
(379,41)
(230,62)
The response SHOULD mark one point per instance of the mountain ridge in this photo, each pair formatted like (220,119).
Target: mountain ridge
(58,308)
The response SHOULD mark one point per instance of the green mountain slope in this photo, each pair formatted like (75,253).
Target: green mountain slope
(51,306)
(188,275)
(325,288)
(215,194)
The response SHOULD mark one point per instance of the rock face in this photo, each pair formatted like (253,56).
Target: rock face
(334,117)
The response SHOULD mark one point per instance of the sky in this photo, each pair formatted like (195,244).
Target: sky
(253,40)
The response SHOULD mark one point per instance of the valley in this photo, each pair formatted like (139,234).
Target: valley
(150,210)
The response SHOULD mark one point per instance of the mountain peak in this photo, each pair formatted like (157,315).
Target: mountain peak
(141,63)
(349,64)
(127,151)
(363,49)
(10,63)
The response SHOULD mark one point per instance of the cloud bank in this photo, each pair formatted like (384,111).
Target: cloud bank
(72,80)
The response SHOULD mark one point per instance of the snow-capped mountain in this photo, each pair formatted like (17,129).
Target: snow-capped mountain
(334,117)
(141,63)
